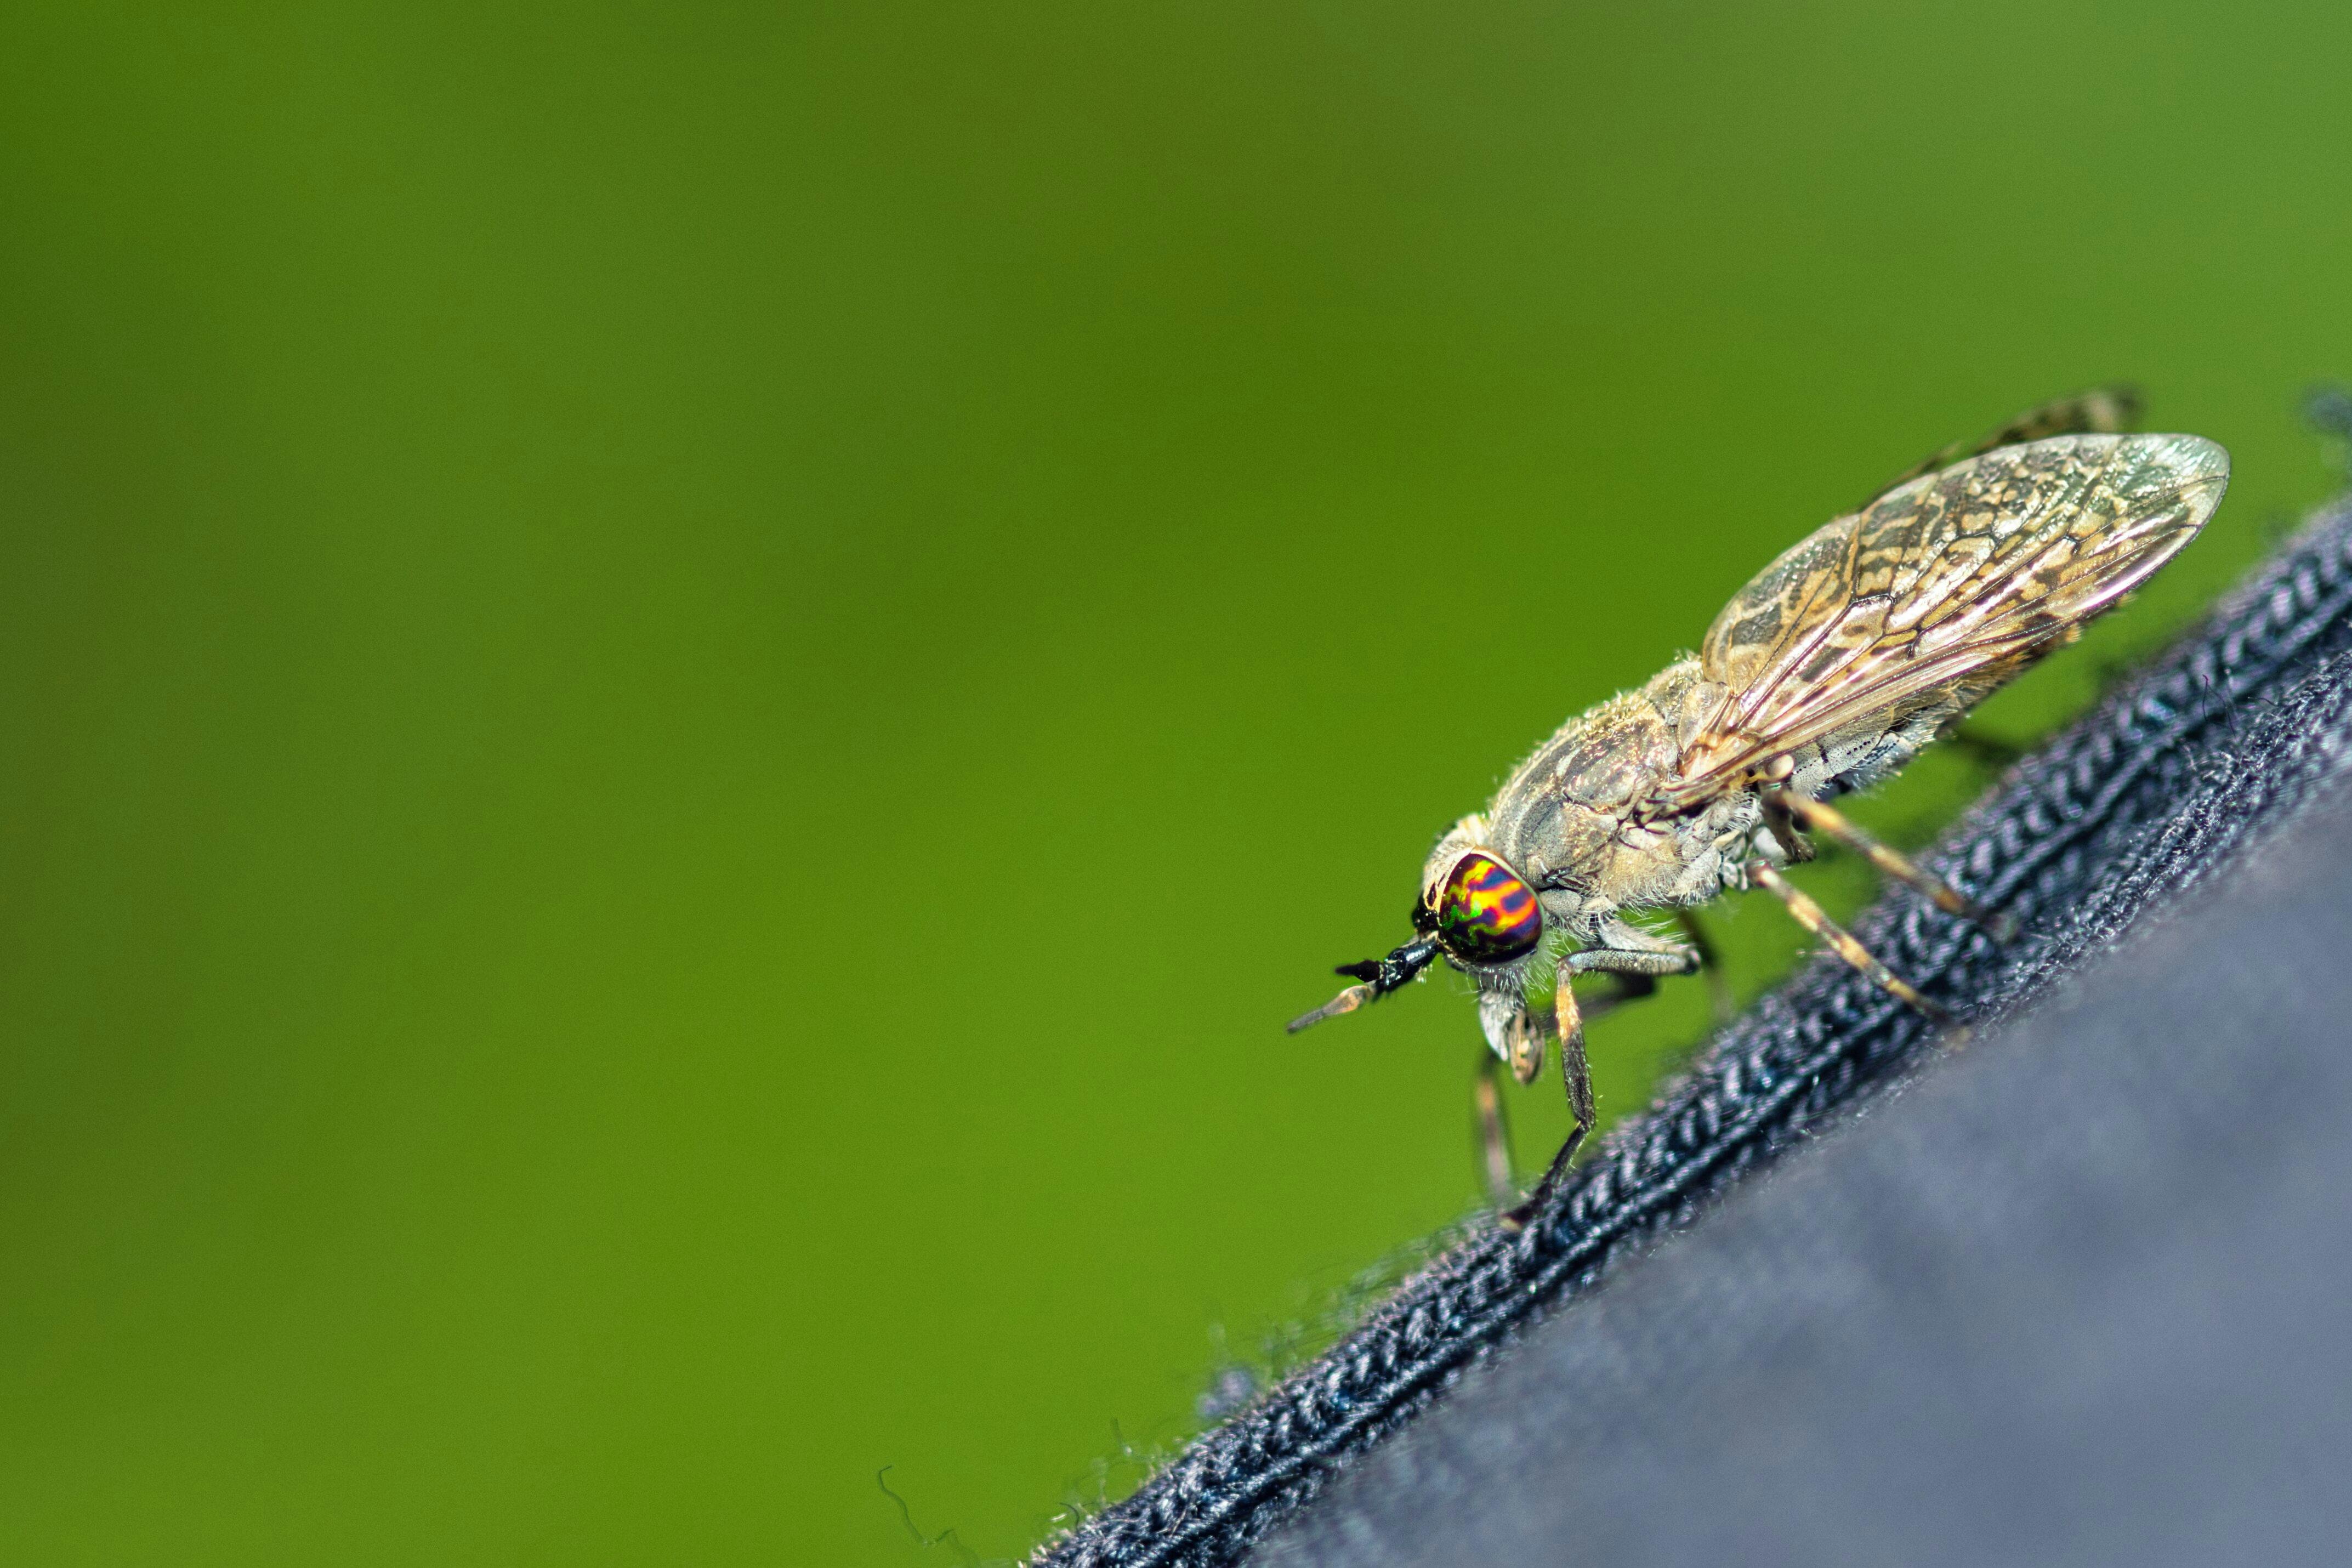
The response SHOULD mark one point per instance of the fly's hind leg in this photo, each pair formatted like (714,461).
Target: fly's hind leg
(1711,964)
(1815,919)
(1832,824)
(2102,411)
(1989,753)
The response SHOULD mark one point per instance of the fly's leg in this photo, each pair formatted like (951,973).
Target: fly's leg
(2328,411)
(1528,1038)
(1494,1131)
(1781,823)
(2102,411)
(1988,752)
(1576,1077)
(1628,988)
(1636,971)
(1710,963)
(1811,916)
(1830,822)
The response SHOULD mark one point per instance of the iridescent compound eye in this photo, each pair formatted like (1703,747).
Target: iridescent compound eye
(1484,913)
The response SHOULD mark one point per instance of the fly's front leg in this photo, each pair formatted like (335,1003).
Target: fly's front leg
(1576,1077)
(1710,963)
(1575,1068)
(1815,919)
(1524,1037)
(1636,971)
(1833,824)
(1636,965)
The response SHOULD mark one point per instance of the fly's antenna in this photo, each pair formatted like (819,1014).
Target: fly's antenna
(1379,977)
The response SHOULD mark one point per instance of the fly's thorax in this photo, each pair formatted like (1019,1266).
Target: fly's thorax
(1687,702)
(1557,843)
(1583,815)
(1604,758)
(1568,830)
(1613,756)
(1570,822)
(1587,863)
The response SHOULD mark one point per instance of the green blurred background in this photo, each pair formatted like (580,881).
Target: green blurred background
(687,688)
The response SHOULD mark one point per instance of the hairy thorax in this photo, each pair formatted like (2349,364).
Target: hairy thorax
(1581,817)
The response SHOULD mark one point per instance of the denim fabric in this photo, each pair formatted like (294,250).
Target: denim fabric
(1552,1444)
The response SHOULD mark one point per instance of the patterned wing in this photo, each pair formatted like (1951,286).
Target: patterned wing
(1957,578)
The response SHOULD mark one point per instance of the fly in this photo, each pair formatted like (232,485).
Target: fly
(1838,664)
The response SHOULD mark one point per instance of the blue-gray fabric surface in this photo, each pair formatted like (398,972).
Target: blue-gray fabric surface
(2150,803)
(2076,1296)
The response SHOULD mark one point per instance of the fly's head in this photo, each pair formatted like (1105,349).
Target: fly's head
(1473,910)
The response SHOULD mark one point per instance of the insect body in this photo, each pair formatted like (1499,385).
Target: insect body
(1833,668)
